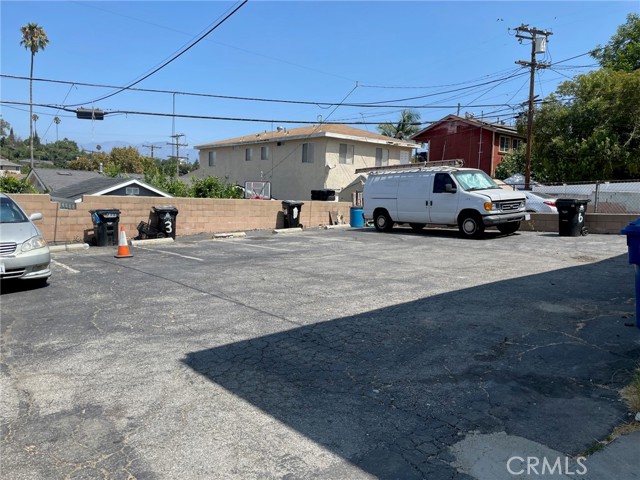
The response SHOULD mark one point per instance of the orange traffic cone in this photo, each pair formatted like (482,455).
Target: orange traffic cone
(123,246)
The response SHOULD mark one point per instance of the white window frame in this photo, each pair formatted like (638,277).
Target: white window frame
(346,153)
(132,191)
(515,143)
(505,144)
(212,158)
(307,153)
(382,157)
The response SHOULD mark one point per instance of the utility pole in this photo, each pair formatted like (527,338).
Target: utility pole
(538,45)
(177,144)
(152,147)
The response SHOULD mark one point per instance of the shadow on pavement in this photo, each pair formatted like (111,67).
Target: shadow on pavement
(391,390)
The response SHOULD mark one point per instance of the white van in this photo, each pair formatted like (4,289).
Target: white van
(465,197)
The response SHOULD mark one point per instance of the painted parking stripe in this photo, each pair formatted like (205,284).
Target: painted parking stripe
(72,270)
(170,253)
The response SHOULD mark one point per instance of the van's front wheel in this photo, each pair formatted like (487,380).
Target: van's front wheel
(471,225)
(382,221)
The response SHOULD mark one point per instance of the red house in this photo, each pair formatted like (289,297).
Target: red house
(479,144)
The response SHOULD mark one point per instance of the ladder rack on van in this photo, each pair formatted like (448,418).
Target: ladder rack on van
(412,166)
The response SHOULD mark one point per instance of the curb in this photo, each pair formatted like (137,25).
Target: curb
(152,241)
(67,247)
(217,236)
(287,230)
(336,227)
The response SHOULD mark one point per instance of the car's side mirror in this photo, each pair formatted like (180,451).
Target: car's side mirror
(35,216)
(450,188)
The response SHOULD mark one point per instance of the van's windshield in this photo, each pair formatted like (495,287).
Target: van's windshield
(476,180)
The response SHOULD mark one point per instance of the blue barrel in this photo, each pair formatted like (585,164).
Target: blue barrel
(356,218)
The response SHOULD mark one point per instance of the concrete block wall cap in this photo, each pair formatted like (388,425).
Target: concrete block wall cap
(70,246)
(287,230)
(229,235)
(152,241)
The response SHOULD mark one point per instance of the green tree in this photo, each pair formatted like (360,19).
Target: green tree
(129,160)
(34,39)
(11,184)
(622,52)
(512,163)
(407,125)
(213,187)
(590,129)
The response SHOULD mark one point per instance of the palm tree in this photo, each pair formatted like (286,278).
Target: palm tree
(34,38)
(406,126)
(57,121)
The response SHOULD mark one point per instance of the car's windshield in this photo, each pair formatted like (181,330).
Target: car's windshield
(475,180)
(10,213)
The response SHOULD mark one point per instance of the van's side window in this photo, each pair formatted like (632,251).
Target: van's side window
(440,181)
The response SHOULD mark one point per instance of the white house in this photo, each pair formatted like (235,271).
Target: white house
(299,160)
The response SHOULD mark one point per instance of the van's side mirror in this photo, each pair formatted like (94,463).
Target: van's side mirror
(450,188)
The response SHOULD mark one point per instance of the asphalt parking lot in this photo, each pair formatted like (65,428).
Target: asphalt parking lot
(321,354)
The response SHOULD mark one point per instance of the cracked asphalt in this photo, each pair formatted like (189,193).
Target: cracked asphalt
(325,354)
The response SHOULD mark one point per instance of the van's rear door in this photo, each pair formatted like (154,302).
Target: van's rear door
(413,197)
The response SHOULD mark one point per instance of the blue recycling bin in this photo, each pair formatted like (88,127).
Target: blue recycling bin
(356,217)
(632,231)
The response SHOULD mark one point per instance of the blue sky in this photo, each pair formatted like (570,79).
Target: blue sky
(402,53)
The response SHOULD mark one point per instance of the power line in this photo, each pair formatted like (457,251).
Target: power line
(177,55)
(253,99)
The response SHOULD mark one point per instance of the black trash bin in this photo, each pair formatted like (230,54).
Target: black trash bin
(105,226)
(164,220)
(325,195)
(291,210)
(571,213)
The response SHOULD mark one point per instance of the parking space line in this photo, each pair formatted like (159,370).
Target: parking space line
(170,253)
(257,246)
(72,270)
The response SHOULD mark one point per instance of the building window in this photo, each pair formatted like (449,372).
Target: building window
(264,153)
(307,153)
(248,154)
(132,191)
(515,143)
(212,159)
(346,153)
(382,157)
(504,144)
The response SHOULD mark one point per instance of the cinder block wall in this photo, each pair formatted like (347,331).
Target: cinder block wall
(195,215)
(595,222)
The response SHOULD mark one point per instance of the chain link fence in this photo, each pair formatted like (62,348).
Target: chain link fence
(616,196)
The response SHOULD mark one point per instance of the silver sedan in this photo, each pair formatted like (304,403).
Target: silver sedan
(24,253)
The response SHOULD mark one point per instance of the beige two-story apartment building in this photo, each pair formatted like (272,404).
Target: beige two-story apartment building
(299,160)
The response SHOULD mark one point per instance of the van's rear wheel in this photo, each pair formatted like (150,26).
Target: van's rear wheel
(471,225)
(508,228)
(382,221)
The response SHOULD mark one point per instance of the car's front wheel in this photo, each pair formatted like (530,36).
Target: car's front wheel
(471,225)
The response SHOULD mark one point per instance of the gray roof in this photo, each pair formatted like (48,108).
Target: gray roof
(6,163)
(97,185)
(56,178)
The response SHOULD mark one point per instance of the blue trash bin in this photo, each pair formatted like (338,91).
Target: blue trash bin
(356,218)
(632,231)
